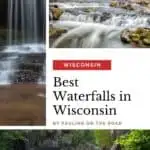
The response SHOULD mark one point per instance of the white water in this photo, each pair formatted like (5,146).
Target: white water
(22,38)
(22,12)
(88,29)
(9,65)
(6,69)
(25,48)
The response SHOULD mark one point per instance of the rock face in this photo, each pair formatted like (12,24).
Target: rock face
(29,69)
(55,12)
(139,37)
(3,13)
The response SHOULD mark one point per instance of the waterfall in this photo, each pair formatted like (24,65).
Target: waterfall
(22,21)
(23,58)
(92,24)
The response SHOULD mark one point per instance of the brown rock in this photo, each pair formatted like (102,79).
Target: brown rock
(56,13)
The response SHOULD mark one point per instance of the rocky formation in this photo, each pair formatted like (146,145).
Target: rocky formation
(56,32)
(124,5)
(105,16)
(55,12)
(136,5)
(3,13)
(139,37)
(29,69)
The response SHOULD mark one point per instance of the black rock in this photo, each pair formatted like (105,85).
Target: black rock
(105,16)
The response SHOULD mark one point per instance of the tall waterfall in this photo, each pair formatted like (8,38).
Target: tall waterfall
(22,21)
(23,58)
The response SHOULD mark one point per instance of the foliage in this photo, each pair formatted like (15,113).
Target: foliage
(135,140)
(103,138)
(6,138)
(77,137)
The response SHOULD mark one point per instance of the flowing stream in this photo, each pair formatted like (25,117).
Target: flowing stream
(94,24)
(23,58)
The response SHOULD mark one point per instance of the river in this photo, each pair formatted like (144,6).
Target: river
(94,24)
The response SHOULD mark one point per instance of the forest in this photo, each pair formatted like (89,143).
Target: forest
(75,140)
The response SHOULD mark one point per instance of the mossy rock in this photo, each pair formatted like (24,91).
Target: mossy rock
(125,36)
(113,3)
(135,37)
(56,32)
(146,41)
(139,37)
(56,13)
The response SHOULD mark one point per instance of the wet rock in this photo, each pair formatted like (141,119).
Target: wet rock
(148,21)
(139,37)
(31,66)
(142,2)
(135,37)
(26,76)
(125,36)
(114,3)
(55,12)
(105,16)
(137,5)
(127,6)
(56,32)
(146,41)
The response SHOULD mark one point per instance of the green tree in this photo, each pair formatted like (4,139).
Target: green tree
(103,138)
(7,138)
(135,140)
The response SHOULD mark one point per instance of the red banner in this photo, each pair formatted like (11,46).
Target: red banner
(81,64)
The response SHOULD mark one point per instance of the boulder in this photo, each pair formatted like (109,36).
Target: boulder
(56,32)
(135,37)
(55,12)
(139,37)
(146,41)
(105,16)
(113,3)
(125,36)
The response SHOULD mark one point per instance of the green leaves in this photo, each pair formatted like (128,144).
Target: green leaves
(135,140)
(7,137)
(103,138)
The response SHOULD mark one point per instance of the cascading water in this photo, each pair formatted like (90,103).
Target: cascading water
(92,23)
(22,16)
(23,59)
